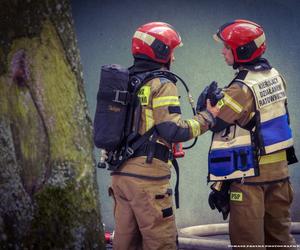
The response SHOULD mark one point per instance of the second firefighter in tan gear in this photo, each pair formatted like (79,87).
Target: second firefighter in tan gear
(259,205)
(248,214)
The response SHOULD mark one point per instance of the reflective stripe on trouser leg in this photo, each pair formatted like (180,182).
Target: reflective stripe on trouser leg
(246,226)
(279,197)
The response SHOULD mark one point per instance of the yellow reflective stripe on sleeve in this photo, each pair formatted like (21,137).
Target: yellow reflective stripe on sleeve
(149,119)
(220,103)
(195,126)
(272,158)
(165,101)
(231,103)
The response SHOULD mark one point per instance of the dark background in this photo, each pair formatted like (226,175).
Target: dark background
(104,30)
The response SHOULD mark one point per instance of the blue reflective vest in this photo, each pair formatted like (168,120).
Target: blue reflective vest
(268,88)
(233,152)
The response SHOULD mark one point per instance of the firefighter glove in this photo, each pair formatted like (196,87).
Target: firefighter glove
(220,199)
(211,92)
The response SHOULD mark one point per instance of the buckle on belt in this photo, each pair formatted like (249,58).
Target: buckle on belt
(121,97)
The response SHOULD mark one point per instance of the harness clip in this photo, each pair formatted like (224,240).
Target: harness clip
(129,151)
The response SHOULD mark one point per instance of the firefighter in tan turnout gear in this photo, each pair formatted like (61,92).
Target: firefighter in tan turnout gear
(252,144)
(144,216)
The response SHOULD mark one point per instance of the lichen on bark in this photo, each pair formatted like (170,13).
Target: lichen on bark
(47,178)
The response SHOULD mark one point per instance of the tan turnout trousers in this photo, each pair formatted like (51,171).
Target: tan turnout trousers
(261,216)
(144,208)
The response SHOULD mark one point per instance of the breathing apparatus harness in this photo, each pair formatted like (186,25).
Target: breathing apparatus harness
(131,143)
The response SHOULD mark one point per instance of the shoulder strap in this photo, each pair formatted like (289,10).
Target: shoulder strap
(148,76)
(240,77)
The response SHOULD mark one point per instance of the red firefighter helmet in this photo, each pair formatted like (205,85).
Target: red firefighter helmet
(245,38)
(156,40)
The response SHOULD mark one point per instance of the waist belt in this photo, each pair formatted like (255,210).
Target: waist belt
(161,152)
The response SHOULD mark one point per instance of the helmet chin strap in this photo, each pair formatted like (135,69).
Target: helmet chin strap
(168,65)
(236,65)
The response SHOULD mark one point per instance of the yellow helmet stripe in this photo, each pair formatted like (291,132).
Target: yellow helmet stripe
(146,38)
(165,101)
(260,40)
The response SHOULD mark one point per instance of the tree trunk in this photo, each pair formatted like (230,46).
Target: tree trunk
(48,191)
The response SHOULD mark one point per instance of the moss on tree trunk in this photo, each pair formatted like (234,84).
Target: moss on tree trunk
(48,191)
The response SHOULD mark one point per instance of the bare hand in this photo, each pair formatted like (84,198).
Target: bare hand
(214,110)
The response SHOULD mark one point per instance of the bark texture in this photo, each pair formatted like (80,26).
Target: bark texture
(48,191)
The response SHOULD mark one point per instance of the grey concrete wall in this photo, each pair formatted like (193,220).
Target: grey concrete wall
(104,31)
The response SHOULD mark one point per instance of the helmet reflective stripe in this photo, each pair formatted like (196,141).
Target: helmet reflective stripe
(260,40)
(146,38)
